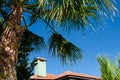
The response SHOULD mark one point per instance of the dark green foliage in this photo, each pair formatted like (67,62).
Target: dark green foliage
(29,43)
(65,50)
(24,67)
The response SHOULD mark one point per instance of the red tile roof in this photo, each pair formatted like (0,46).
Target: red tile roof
(48,77)
(67,73)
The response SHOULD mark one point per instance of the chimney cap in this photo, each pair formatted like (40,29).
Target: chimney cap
(41,59)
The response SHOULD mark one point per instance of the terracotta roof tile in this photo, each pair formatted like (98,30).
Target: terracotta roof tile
(67,73)
(48,77)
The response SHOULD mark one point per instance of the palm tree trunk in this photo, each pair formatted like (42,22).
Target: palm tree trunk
(9,45)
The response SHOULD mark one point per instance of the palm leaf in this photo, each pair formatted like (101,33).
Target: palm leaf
(63,49)
(74,14)
(110,70)
(71,13)
(31,41)
(107,68)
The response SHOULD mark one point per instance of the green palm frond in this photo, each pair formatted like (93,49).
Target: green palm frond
(110,70)
(72,13)
(107,68)
(63,49)
(31,41)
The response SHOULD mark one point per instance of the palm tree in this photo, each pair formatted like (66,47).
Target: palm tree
(66,15)
(110,70)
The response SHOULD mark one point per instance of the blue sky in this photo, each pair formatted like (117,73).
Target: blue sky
(106,40)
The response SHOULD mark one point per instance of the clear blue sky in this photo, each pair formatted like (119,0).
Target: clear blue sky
(103,41)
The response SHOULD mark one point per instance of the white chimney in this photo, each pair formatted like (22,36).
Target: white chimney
(40,68)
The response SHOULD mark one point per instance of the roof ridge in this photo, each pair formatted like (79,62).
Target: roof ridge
(76,74)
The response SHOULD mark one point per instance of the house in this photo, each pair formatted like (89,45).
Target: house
(40,73)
